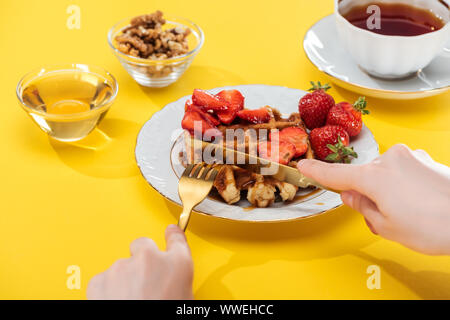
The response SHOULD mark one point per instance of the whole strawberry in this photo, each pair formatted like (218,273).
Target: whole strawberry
(314,106)
(349,116)
(330,143)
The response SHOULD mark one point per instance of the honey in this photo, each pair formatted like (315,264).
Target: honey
(67,104)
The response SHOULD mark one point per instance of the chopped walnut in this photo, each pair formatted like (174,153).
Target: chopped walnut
(145,38)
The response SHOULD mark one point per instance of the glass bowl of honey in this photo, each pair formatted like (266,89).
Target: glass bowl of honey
(67,101)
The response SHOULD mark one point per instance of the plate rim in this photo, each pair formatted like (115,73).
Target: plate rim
(426,93)
(221,217)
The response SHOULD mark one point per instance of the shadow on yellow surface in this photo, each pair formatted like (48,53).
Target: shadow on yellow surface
(108,152)
(426,284)
(407,113)
(216,228)
(286,241)
(201,77)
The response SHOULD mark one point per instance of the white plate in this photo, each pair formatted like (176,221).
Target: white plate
(323,48)
(157,152)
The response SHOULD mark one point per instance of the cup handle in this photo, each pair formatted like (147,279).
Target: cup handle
(446,50)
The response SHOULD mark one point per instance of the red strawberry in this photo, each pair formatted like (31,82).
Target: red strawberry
(314,106)
(330,143)
(188,105)
(194,120)
(349,116)
(295,135)
(261,115)
(235,101)
(286,151)
(208,101)
(208,116)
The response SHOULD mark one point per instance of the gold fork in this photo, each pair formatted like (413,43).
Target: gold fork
(194,186)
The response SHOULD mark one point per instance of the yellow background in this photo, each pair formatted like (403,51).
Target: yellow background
(64,205)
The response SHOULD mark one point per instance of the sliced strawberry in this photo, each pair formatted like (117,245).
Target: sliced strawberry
(233,97)
(286,151)
(227,116)
(197,125)
(188,105)
(295,135)
(208,101)
(208,116)
(261,115)
(235,101)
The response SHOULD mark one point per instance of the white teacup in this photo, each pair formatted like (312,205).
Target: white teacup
(393,56)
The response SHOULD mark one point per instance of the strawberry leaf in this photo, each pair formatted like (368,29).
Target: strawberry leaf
(340,153)
(319,86)
(360,105)
(332,157)
(332,148)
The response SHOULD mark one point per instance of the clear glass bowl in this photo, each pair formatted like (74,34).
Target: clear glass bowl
(158,73)
(67,101)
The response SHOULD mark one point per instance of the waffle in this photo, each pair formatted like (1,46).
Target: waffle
(233,182)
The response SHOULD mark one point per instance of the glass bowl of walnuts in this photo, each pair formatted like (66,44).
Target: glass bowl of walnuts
(153,50)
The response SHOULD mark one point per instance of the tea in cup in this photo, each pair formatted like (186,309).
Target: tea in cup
(393,38)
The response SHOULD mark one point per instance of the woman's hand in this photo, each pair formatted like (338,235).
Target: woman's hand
(404,196)
(149,273)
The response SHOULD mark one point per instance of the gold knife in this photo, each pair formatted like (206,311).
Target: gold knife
(223,155)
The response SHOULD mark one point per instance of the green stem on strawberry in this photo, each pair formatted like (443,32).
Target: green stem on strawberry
(360,105)
(318,86)
(340,153)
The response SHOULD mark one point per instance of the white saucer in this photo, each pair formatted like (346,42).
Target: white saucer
(323,48)
(158,147)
